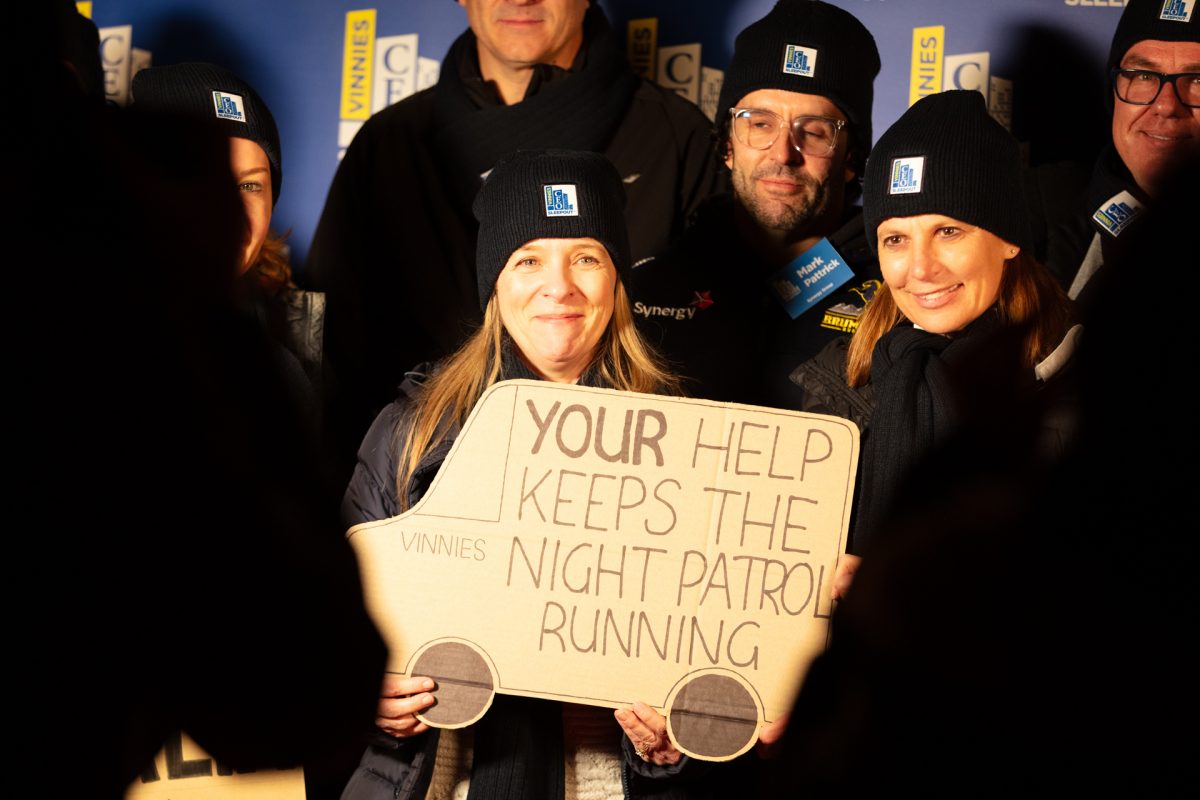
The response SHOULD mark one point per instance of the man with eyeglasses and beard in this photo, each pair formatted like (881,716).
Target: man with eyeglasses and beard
(768,275)
(1154,80)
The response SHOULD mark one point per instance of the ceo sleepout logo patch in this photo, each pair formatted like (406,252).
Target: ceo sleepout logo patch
(799,60)
(229,106)
(933,71)
(560,200)
(906,175)
(1115,214)
(1177,10)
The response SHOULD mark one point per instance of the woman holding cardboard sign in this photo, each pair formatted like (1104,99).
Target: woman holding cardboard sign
(551,261)
(943,196)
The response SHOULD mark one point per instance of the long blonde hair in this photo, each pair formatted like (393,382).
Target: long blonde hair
(623,361)
(1029,296)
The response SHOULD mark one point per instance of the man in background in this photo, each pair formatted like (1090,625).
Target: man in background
(770,274)
(394,249)
(1154,96)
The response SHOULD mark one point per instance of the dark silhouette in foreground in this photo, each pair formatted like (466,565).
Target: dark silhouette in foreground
(189,568)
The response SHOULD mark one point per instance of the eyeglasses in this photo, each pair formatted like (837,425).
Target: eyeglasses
(759,129)
(1141,87)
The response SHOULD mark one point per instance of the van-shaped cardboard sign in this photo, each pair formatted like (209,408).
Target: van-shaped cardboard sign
(603,547)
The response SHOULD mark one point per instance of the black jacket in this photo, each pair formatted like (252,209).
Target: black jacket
(707,306)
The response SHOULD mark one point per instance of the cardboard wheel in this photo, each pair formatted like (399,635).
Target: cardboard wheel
(713,714)
(465,682)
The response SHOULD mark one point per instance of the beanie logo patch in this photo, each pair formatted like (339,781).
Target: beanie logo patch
(1177,10)
(799,60)
(560,200)
(229,106)
(906,175)
(1117,212)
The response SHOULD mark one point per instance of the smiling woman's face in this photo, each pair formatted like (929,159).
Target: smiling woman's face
(555,298)
(942,273)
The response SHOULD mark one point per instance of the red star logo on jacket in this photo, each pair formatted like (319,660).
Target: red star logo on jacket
(703,300)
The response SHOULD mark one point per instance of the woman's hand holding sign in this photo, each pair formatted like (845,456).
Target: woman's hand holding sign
(400,701)
(647,731)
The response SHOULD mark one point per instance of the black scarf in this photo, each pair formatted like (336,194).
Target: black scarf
(577,110)
(912,376)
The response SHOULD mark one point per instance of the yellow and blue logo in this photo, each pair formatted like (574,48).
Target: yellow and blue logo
(906,175)
(1117,212)
(799,60)
(560,200)
(229,106)
(1177,10)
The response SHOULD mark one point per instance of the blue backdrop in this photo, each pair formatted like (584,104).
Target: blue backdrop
(1039,61)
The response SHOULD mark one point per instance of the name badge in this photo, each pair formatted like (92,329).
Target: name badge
(810,278)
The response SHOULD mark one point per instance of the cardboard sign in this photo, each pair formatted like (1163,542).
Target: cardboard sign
(604,547)
(182,770)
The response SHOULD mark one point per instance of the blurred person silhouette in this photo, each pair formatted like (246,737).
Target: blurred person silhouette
(187,565)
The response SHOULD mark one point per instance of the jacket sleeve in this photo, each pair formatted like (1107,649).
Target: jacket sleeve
(371,494)
(394,769)
(822,379)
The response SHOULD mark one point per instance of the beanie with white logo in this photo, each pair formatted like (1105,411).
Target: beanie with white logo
(1160,20)
(946,155)
(809,47)
(548,194)
(212,93)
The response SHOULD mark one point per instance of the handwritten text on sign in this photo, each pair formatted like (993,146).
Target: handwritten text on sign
(597,546)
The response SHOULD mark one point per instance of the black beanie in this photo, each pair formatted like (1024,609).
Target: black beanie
(548,194)
(809,47)
(946,155)
(1162,20)
(209,92)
